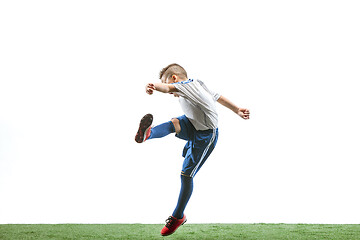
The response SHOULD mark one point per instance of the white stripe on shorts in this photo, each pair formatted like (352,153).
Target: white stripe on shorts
(204,153)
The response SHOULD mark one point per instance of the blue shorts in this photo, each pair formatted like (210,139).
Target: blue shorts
(198,148)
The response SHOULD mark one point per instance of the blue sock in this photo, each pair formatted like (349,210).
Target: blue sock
(162,130)
(184,196)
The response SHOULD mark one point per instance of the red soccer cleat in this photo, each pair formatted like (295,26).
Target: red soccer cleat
(144,130)
(172,224)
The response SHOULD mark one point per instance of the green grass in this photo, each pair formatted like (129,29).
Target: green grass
(188,231)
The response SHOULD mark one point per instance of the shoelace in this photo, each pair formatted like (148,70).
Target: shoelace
(170,221)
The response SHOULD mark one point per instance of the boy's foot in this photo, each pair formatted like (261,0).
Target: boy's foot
(172,224)
(144,130)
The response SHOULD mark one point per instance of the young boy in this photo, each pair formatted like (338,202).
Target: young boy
(199,127)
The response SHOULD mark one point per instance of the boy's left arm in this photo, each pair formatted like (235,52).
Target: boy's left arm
(161,87)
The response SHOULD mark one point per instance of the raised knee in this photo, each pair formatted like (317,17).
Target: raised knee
(176,123)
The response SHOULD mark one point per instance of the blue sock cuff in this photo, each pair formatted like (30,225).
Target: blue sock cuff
(162,130)
(172,126)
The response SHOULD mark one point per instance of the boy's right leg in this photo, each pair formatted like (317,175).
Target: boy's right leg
(145,130)
(162,130)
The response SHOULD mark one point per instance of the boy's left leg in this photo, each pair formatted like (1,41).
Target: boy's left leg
(178,217)
(196,152)
(186,190)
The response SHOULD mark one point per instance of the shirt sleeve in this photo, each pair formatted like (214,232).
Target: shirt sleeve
(215,95)
(188,89)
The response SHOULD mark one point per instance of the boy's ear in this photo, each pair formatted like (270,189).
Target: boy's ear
(174,77)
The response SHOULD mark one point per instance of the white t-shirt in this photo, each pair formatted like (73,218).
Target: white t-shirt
(198,104)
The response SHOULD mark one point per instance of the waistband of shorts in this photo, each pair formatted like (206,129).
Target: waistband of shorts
(208,130)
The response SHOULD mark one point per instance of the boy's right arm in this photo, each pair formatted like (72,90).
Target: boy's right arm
(242,112)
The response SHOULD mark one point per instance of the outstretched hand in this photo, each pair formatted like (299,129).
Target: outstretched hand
(243,113)
(150,87)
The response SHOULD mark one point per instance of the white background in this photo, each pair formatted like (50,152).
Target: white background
(72,77)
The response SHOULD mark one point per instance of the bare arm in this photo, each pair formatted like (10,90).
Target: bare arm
(242,112)
(161,87)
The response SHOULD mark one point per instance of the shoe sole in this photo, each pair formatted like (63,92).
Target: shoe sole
(144,125)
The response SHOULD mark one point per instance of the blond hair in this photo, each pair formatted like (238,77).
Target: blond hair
(172,69)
